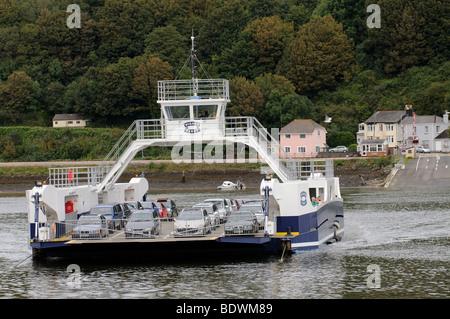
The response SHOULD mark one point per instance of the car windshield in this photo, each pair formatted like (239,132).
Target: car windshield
(89,220)
(101,210)
(190,214)
(147,204)
(133,204)
(219,203)
(141,217)
(240,217)
(255,209)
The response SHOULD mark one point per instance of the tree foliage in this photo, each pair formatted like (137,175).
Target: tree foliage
(300,58)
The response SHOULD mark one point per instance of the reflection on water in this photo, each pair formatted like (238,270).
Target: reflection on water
(404,232)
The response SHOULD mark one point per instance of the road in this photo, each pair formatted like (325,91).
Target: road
(426,170)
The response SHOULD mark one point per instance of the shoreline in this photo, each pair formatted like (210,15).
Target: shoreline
(163,178)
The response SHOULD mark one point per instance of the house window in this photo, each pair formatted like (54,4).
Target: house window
(301,149)
(70,122)
(287,135)
(389,127)
(390,138)
(301,135)
(318,132)
(380,147)
(381,127)
(287,149)
(373,148)
(317,149)
(426,129)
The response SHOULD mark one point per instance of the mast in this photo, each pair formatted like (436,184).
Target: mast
(193,57)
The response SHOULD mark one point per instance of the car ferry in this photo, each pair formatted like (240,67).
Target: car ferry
(192,113)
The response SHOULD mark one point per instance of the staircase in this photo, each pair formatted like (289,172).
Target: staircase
(144,133)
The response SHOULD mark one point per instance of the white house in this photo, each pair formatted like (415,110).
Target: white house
(69,120)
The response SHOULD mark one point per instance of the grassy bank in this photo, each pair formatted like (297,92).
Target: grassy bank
(169,167)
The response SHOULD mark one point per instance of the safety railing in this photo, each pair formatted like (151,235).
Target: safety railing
(315,169)
(117,230)
(193,89)
(77,176)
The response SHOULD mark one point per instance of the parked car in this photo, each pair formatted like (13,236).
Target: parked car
(113,213)
(150,206)
(90,226)
(134,205)
(143,223)
(192,222)
(338,149)
(257,209)
(126,208)
(170,205)
(163,211)
(222,205)
(423,149)
(242,222)
(213,212)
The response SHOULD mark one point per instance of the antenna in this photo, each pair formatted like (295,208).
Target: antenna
(193,57)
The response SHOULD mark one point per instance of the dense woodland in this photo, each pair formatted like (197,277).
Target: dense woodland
(285,59)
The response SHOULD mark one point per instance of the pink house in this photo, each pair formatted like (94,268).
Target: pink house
(303,138)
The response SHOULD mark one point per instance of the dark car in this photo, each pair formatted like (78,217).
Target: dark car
(143,223)
(113,213)
(90,226)
(240,223)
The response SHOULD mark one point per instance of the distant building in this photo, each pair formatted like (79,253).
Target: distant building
(303,138)
(423,129)
(442,142)
(69,120)
(389,131)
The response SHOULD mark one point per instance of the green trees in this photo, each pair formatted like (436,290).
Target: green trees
(297,58)
(321,56)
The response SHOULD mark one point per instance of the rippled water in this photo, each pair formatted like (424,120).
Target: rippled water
(403,232)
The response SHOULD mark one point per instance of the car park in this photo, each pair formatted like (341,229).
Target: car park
(240,223)
(212,211)
(143,223)
(90,226)
(192,222)
(113,213)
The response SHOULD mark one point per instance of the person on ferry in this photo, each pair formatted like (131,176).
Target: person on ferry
(319,200)
(314,202)
(204,115)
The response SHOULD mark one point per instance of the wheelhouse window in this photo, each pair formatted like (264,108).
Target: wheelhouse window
(177,112)
(205,111)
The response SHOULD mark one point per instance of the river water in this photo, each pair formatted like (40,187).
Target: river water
(396,245)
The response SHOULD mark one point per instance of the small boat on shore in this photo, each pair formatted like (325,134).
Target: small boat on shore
(229,186)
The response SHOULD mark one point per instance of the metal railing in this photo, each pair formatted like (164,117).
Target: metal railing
(77,176)
(315,169)
(163,229)
(193,89)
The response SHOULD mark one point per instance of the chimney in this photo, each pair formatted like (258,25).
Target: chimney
(409,110)
(445,117)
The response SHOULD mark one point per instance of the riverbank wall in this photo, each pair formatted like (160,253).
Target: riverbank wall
(163,176)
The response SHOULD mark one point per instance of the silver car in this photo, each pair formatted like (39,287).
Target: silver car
(213,212)
(143,223)
(192,222)
(257,209)
(222,205)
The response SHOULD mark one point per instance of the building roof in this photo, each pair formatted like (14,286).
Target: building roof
(301,126)
(67,117)
(386,117)
(423,119)
(443,135)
